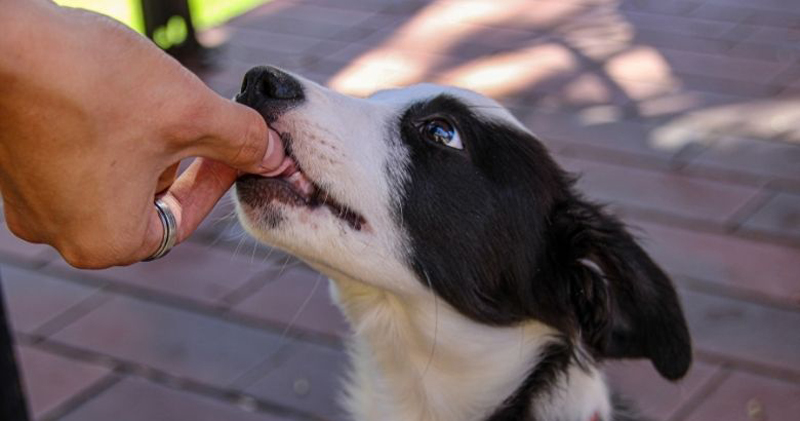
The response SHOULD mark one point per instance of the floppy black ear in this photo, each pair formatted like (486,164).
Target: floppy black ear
(625,304)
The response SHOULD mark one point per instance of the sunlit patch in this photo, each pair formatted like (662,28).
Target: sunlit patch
(643,64)
(773,119)
(503,74)
(600,114)
(214,37)
(381,69)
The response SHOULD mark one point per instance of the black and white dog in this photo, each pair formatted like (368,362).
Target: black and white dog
(479,284)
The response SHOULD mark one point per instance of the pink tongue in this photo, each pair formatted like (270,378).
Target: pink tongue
(285,169)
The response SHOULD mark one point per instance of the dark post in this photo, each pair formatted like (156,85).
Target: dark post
(169,24)
(12,399)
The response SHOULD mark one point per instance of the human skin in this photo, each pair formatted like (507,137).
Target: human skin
(94,120)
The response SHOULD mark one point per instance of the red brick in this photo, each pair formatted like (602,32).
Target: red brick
(178,342)
(716,66)
(135,399)
(358,5)
(654,396)
(313,12)
(52,380)
(672,8)
(743,330)
(721,13)
(296,296)
(681,25)
(755,267)
(193,271)
(300,19)
(667,106)
(622,135)
(777,36)
(309,381)
(749,397)
(19,252)
(780,216)
(761,5)
(768,159)
(33,298)
(662,192)
(682,42)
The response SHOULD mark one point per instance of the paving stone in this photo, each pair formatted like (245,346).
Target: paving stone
(717,66)
(763,5)
(219,219)
(662,192)
(673,8)
(743,330)
(682,42)
(654,396)
(52,380)
(33,298)
(194,271)
(749,397)
(135,399)
(312,12)
(310,381)
(773,159)
(582,128)
(22,253)
(683,25)
(779,216)
(344,6)
(178,342)
(296,296)
(300,19)
(756,267)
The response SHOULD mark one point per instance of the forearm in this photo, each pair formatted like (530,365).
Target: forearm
(26,27)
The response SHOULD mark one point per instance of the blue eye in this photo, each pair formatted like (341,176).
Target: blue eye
(442,132)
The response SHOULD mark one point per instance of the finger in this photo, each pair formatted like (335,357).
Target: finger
(191,198)
(167,178)
(238,136)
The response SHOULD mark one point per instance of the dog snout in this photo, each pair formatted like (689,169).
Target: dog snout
(266,85)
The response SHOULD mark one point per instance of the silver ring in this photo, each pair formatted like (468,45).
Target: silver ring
(170,230)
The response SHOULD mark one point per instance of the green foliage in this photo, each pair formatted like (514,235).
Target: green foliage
(205,13)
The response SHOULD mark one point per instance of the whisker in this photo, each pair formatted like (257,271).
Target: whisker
(302,308)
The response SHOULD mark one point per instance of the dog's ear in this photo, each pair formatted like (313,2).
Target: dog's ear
(625,305)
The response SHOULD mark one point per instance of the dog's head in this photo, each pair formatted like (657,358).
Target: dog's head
(437,188)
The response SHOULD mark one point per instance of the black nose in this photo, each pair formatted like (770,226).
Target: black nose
(265,84)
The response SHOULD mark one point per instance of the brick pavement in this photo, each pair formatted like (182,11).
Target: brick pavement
(684,115)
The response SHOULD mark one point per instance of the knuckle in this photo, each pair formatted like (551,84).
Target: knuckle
(20,230)
(81,258)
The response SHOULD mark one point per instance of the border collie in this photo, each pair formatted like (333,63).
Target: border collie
(478,283)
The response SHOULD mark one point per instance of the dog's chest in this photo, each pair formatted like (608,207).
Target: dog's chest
(424,361)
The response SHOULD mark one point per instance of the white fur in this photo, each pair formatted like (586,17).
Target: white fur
(414,356)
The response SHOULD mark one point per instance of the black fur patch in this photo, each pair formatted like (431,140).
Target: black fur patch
(554,362)
(498,231)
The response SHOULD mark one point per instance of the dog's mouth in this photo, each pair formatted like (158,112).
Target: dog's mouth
(291,186)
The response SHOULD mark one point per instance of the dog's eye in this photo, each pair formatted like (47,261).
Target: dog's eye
(441,131)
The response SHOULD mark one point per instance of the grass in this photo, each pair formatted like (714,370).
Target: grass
(205,13)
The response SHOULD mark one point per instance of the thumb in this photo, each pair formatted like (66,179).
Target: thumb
(238,136)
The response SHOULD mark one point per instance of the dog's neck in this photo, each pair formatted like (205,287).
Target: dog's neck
(416,358)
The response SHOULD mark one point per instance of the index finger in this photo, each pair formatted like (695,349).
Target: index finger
(191,198)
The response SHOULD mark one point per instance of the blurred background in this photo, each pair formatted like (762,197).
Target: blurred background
(683,115)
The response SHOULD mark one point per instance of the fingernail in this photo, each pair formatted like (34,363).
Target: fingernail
(275,154)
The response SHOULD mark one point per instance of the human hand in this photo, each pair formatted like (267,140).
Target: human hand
(94,120)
